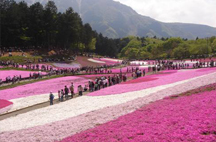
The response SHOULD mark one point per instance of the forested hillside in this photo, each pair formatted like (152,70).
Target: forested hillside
(116,20)
(164,48)
(44,28)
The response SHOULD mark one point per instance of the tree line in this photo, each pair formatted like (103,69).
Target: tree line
(44,28)
(166,48)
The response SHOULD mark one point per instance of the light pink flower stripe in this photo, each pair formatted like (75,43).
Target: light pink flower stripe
(107,61)
(68,127)
(3,110)
(163,79)
(11,73)
(186,118)
(41,87)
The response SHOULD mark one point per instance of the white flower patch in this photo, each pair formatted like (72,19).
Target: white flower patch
(5,109)
(83,105)
(25,102)
(96,61)
(142,63)
(114,60)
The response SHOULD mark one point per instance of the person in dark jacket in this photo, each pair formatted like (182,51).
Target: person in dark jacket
(51,98)
(66,90)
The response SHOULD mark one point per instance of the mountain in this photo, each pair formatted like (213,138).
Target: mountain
(114,20)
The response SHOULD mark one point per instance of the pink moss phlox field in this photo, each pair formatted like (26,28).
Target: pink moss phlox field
(148,78)
(11,73)
(4,103)
(41,87)
(203,70)
(163,78)
(188,118)
(139,80)
(117,70)
(56,130)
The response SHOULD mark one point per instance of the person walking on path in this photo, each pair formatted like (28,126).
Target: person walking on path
(66,90)
(143,72)
(62,95)
(59,95)
(80,89)
(51,98)
(72,90)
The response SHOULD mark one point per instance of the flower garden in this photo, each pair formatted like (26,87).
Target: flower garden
(64,65)
(11,73)
(171,105)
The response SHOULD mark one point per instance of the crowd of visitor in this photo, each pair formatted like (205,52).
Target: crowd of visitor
(18,78)
(97,84)
(56,71)
(176,65)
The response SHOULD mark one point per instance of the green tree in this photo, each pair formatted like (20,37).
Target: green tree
(69,27)
(213,45)
(87,36)
(132,53)
(9,23)
(91,45)
(179,53)
(36,24)
(170,44)
(50,19)
(145,55)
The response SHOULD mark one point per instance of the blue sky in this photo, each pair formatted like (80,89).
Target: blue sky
(185,11)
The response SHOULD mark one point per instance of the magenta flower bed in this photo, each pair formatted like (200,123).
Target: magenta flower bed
(188,118)
(11,73)
(163,79)
(117,70)
(210,69)
(139,80)
(41,87)
(94,118)
(4,103)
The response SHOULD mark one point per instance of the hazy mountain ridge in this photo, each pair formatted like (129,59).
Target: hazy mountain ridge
(114,20)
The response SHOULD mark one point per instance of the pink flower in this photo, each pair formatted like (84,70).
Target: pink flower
(12,73)
(187,118)
(163,78)
(42,87)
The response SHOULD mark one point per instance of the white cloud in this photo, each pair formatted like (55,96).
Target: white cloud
(186,11)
